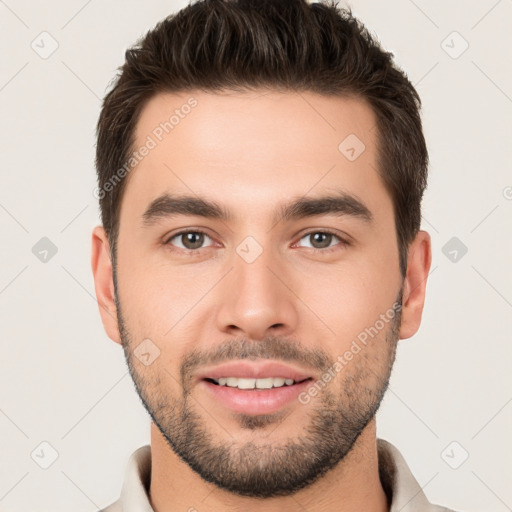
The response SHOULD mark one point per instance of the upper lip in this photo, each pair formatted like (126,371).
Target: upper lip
(253,370)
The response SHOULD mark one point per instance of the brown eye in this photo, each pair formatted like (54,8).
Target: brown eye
(189,240)
(322,240)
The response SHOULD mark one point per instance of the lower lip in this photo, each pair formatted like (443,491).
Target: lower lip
(253,401)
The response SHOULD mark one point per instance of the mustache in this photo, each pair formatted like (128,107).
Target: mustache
(271,347)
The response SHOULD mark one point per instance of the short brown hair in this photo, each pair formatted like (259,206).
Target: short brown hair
(215,45)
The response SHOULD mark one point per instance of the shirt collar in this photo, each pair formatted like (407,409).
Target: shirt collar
(403,491)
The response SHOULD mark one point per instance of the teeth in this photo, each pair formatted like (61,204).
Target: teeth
(267,383)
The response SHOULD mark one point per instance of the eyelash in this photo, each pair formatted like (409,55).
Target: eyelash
(343,241)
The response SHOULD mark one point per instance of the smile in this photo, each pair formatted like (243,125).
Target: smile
(245,383)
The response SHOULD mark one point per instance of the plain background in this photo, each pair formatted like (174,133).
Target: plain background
(64,382)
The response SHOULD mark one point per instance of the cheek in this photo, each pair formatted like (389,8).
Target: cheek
(348,298)
(159,300)
(343,303)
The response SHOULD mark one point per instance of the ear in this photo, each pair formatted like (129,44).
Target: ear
(415,283)
(104,282)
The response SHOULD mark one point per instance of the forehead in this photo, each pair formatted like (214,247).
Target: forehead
(253,149)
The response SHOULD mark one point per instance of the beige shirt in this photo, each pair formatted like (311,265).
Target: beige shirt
(404,492)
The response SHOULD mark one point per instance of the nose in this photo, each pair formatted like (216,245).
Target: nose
(257,299)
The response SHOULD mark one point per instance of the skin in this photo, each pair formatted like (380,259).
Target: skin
(251,152)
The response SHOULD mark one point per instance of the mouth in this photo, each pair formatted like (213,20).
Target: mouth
(255,384)
(254,388)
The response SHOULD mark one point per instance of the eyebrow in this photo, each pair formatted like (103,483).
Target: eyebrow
(341,204)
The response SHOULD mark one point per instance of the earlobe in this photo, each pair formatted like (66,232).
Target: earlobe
(104,283)
(418,266)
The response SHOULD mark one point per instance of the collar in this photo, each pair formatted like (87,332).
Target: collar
(403,491)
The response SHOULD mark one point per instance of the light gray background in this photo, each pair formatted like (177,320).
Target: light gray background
(64,382)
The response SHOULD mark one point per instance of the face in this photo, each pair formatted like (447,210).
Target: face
(281,264)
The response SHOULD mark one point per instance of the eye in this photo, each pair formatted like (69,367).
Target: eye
(189,240)
(322,240)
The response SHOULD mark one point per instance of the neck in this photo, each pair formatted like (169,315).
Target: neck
(351,486)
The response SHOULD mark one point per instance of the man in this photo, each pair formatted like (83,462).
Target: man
(261,166)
